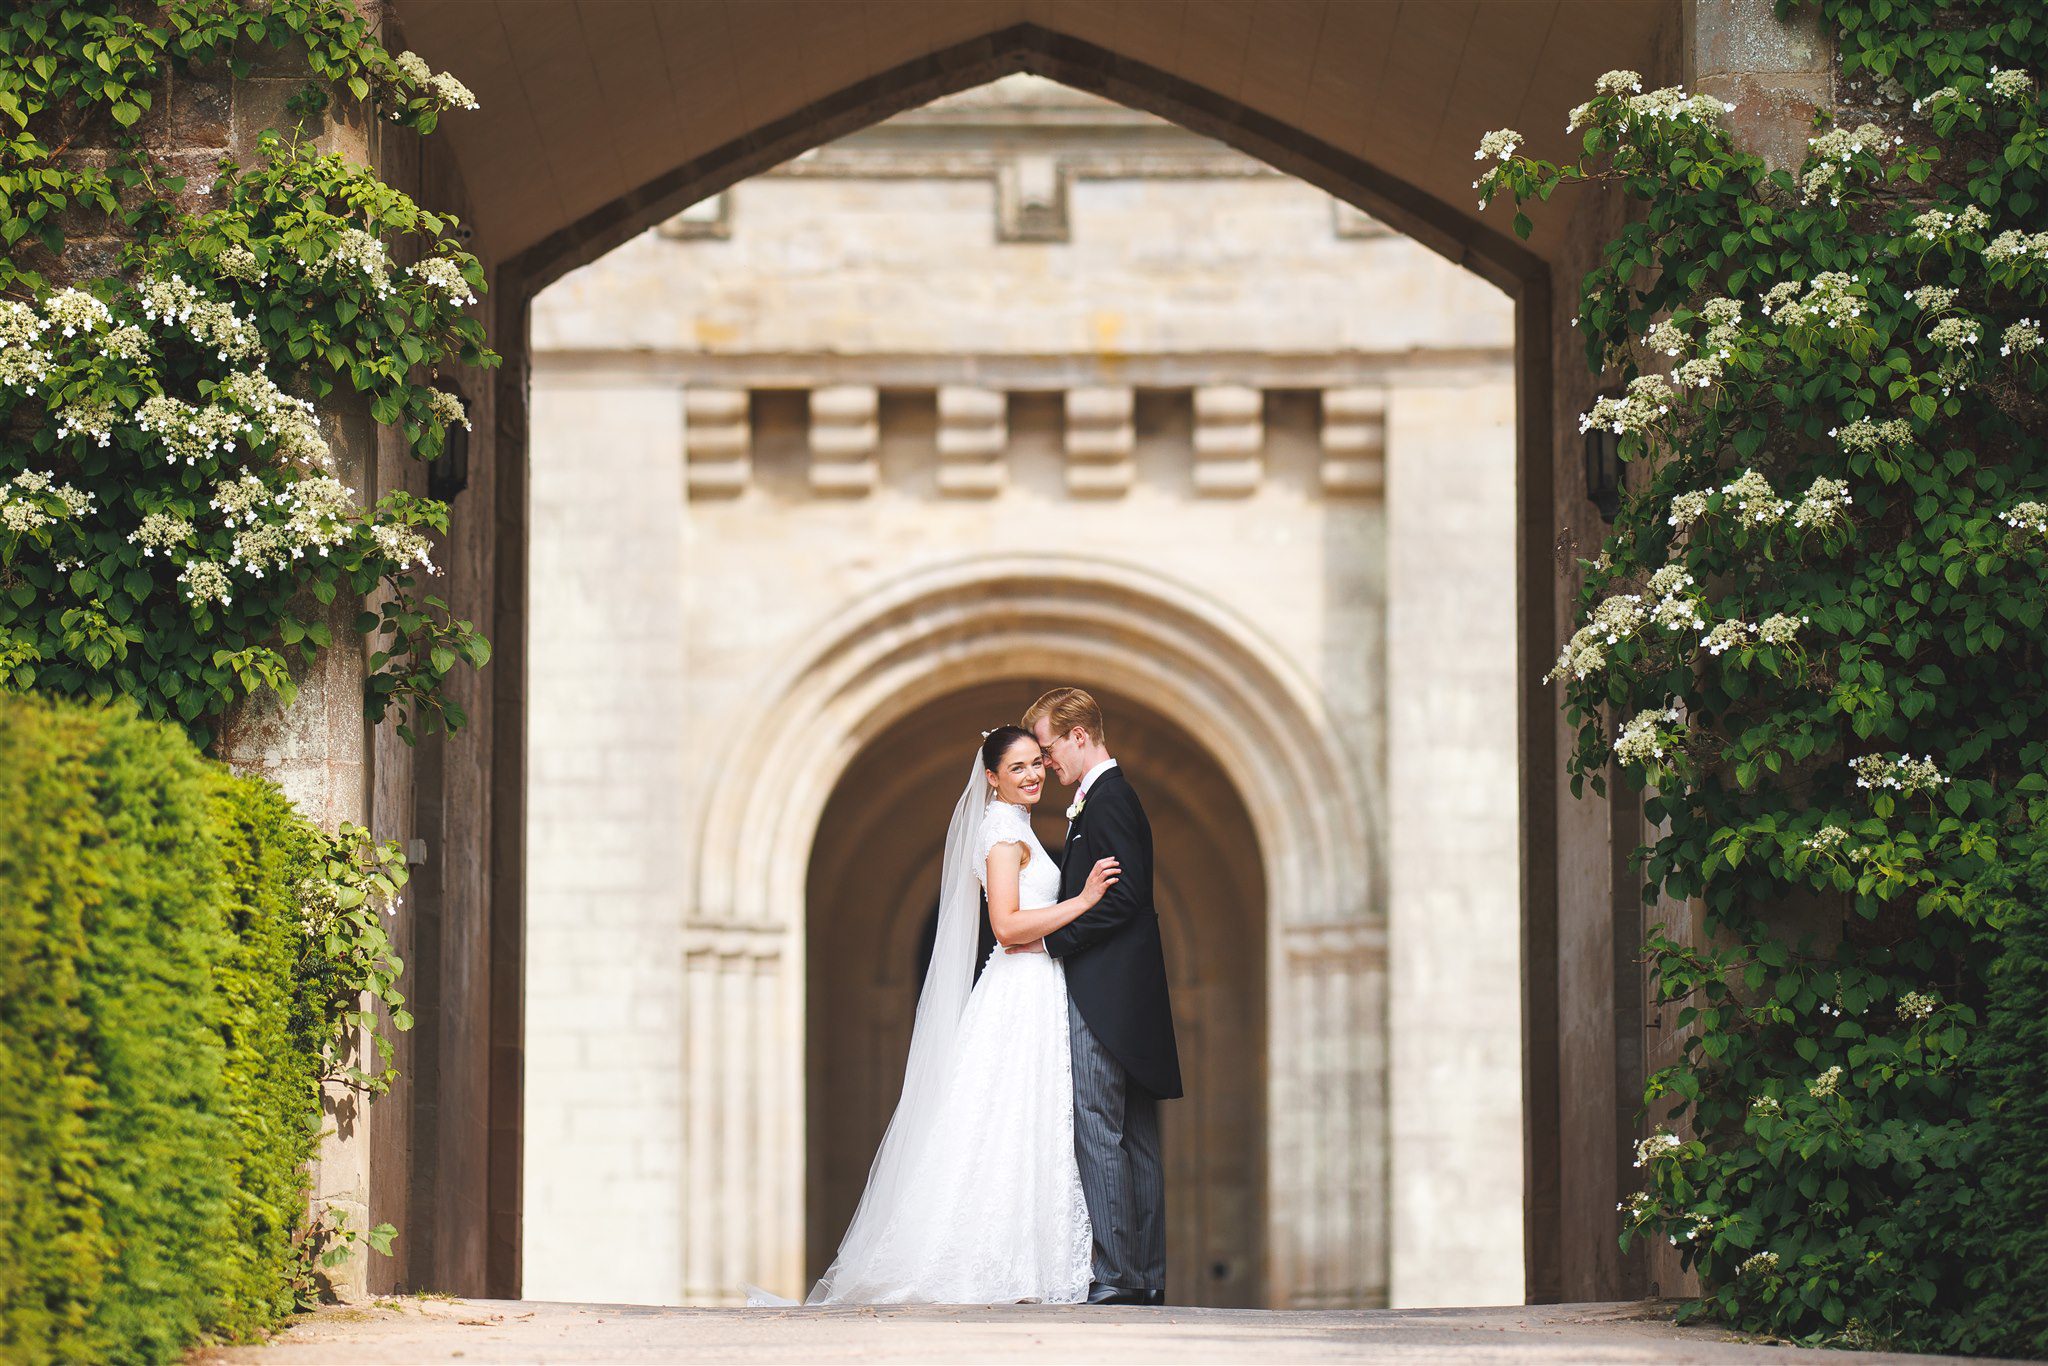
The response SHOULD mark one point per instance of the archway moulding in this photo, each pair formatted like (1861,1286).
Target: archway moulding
(987,619)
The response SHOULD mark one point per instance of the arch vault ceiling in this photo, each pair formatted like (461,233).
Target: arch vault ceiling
(586,102)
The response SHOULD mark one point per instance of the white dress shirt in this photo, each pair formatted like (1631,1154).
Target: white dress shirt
(1088,778)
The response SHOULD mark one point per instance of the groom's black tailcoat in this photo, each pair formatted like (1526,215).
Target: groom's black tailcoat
(1116,971)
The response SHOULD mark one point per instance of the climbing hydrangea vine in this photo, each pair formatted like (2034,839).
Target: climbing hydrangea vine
(1812,641)
(171,506)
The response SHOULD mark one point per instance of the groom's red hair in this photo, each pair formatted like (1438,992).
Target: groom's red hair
(1067,708)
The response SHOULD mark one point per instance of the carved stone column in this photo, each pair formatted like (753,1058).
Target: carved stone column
(1327,1160)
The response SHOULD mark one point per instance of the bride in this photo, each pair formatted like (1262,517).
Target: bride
(974,1197)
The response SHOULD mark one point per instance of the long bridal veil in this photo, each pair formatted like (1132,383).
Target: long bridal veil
(860,1272)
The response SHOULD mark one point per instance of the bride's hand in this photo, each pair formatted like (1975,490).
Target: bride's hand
(1101,878)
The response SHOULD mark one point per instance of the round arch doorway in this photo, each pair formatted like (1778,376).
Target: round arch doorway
(873,880)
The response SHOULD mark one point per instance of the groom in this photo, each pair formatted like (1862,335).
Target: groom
(1118,1018)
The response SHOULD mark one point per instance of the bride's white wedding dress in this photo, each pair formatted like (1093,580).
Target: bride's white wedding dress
(986,1205)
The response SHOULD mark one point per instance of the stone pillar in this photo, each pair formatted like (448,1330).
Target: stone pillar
(1453,829)
(1776,72)
(318,750)
(1327,1164)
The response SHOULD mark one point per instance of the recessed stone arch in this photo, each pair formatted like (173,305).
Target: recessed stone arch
(871,914)
(973,622)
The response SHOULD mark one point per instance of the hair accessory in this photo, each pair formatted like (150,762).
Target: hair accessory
(985,734)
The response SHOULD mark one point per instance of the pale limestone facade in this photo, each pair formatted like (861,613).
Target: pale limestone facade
(839,468)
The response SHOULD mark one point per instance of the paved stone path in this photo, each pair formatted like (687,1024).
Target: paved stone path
(508,1331)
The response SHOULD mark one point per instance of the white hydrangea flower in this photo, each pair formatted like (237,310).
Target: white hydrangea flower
(1688,508)
(1499,145)
(1648,400)
(360,252)
(1826,503)
(1948,94)
(23,364)
(440,273)
(1666,337)
(1677,614)
(1722,312)
(206,582)
(160,531)
(125,343)
(1728,634)
(1672,578)
(74,312)
(1834,153)
(451,93)
(404,546)
(168,300)
(1826,1084)
(414,67)
(1762,1263)
(1780,629)
(1619,83)
(1860,435)
(1935,225)
(174,301)
(1648,1150)
(1756,504)
(1583,655)
(237,262)
(447,407)
(1954,333)
(2023,337)
(1767,1106)
(1642,737)
(2013,247)
(291,423)
(1826,840)
(1915,1005)
(88,417)
(1701,372)
(1830,299)
(1904,774)
(1932,299)
(2010,85)
(1672,103)
(2027,516)
(18,514)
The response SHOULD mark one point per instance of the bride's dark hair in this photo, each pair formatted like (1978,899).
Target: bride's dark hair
(998,741)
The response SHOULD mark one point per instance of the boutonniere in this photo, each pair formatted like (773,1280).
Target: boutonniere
(1074,811)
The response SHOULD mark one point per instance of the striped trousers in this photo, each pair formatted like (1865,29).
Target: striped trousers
(1116,1142)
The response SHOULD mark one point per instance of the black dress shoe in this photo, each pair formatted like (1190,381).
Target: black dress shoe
(1099,1293)
(1155,1298)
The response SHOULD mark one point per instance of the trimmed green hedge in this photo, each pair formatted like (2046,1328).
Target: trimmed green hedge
(158,1092)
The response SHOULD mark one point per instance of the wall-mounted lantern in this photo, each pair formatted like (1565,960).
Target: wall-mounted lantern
(1603,468)
(448,473)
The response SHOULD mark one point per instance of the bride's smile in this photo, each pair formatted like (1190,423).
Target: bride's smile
(1019,776)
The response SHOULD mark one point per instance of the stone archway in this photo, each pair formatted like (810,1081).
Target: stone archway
(1196,667)
(873,880)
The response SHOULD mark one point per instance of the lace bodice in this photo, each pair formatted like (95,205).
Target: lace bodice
(1039,883)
